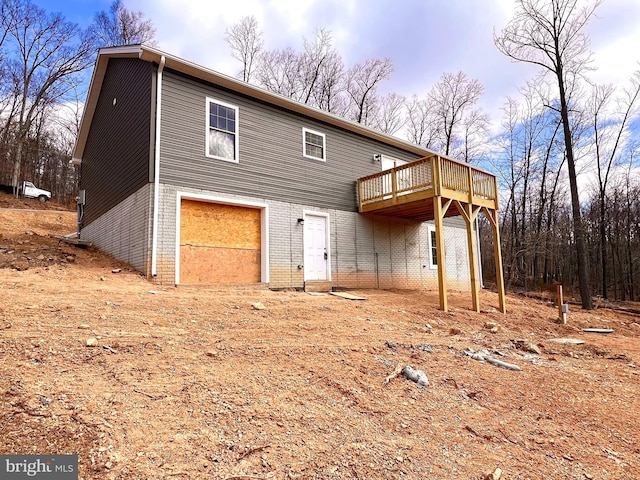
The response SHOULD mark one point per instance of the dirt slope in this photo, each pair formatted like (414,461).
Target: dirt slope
(198,383)
(9,201)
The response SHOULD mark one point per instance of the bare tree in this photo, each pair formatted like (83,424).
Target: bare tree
(363,80)
(121,26)
(550,34)
(278,72)
(320,69)
(451,99)
(608,131)
(245,40)
(390,116)
(314,76)
(9,95)
(48,52)
(630,220)
(329,92)
(420,122)
(448,119)
(474,132)
(508,167)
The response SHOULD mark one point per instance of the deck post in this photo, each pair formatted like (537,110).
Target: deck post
(470,177)
(473,256)
(394,186)
(436,175)
(499,273)
(495,225)
(442,275)
(445,182)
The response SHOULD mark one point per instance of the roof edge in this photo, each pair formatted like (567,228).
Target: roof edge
(207,74)
(152,54)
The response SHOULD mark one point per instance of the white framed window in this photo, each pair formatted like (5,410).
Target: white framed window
(314,145)
(222,131)
(433,249)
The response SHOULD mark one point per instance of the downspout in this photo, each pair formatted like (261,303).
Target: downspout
(156,172)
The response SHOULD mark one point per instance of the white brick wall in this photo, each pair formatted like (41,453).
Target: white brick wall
(366,252)
(125,230)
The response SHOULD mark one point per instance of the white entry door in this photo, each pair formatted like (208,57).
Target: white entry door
(388,162)
(316,255)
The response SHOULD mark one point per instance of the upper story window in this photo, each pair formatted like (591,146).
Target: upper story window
(314,145)
(222,131)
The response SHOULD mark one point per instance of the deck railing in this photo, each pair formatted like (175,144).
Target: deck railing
(455,176)
(484,185)
(419,176)
(409,178)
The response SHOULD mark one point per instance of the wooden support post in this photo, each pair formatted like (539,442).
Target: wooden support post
(560,302)
(394,185)
(442,275)
(436,175)
(470,218)
(495,224)
(470,176)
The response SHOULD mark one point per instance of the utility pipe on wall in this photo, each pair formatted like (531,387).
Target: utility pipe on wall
(156,172)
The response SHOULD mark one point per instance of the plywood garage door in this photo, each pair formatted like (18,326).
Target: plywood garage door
(219,243)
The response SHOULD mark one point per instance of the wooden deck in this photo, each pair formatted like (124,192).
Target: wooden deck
(426,189)
(403,191)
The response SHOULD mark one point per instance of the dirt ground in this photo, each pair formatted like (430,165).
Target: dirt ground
(202,383)
(9,201)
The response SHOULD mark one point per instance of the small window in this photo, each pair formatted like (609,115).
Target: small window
(222,131)
(433,250)
(314,145)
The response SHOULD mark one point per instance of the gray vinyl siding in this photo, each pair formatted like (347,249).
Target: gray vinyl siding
(116,159)
(271,161)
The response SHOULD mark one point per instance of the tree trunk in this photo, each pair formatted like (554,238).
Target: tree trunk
(603,245)
(578,227)
(15,177)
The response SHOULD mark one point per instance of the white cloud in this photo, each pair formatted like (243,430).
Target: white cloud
(424,39)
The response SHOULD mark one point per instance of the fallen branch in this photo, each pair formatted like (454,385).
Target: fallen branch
(453,380)
(483,356)
(507,438)
(317,380)
(31,413)
(417,376)
(501,364)
(75,417)
(248,477)
(249,451)
(153,397)
(394,374)
(481,435)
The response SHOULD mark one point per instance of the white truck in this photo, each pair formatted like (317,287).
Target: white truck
(29,190)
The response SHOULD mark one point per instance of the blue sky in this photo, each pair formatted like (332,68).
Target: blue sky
(424,38)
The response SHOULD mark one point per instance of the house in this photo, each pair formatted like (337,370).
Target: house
(194,177)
